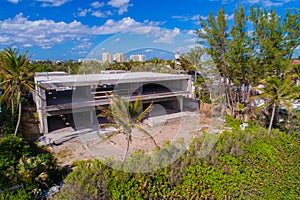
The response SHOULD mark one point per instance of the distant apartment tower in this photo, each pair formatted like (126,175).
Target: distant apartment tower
(107,57)
(138,57)
(119,57)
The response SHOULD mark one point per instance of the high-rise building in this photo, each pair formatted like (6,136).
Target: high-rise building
(107,57)
(138,57)
(119,57)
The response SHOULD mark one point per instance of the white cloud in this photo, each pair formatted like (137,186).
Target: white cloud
(27,45)
(191,32)
(99,14)
(123,25)
(122,5)
(269,3)
(22,32)
(94,10)
(253,1)
(83,45)
(83,12)
(118,3)
(229,17)
(97,4)
(13,1)
(186,18)
(184,49)
(167,36)
(45,33)
(191,40)
(4,39)
(52,3)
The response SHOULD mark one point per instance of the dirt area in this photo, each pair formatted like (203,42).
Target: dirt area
(69,152)
(70,146)
(29,122)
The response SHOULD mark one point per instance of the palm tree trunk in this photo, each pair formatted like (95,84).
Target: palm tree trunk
(127,147)
(12,118)
(20,112)
(272,118)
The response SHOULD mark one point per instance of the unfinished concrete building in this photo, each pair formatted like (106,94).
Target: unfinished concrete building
(74,100)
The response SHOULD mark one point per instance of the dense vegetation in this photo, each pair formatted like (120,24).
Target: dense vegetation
(25,166)
(256,49)
(244,164)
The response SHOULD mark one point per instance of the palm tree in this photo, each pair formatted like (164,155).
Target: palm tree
(126,116)
(15,80)
(276,91)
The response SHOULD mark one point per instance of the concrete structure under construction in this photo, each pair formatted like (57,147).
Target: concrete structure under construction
(75,100)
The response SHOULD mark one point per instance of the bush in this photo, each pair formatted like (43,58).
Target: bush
(23,163)
(243,165)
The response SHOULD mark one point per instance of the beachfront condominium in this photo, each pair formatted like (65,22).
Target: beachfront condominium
(138,57)
(107,57)
(119,57)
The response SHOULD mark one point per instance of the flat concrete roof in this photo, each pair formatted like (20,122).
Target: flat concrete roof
(64,81)
(45,74)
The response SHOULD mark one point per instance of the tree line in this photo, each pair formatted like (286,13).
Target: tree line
(257,49)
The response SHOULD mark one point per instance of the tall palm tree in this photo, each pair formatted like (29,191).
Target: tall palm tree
(276,92)
(15,80)
(126,116)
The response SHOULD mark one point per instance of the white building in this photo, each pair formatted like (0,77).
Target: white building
(138,57)
(107,57)
(119,57)
(89,60)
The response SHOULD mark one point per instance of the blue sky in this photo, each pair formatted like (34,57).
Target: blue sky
(73,29)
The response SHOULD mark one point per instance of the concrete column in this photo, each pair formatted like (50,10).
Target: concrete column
(44,124)
(82,93)
(41,104)
(91,118)
(180,100)
(141,89)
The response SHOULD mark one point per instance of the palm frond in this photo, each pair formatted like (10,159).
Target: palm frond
(107,137)
(142,114)
(148,134)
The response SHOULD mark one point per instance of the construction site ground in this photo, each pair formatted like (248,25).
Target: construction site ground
(68,145)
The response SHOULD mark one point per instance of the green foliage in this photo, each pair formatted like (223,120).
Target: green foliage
(255,47)
(243,165)
(23,163)
(276,92)
(15,80)
(20,194)
(11,150)
(69,66)
(201,90)
(88,181)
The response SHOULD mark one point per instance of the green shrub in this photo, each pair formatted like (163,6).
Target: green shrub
(245,164)
(24,163)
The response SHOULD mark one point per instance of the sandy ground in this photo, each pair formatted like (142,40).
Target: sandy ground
(87,144)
